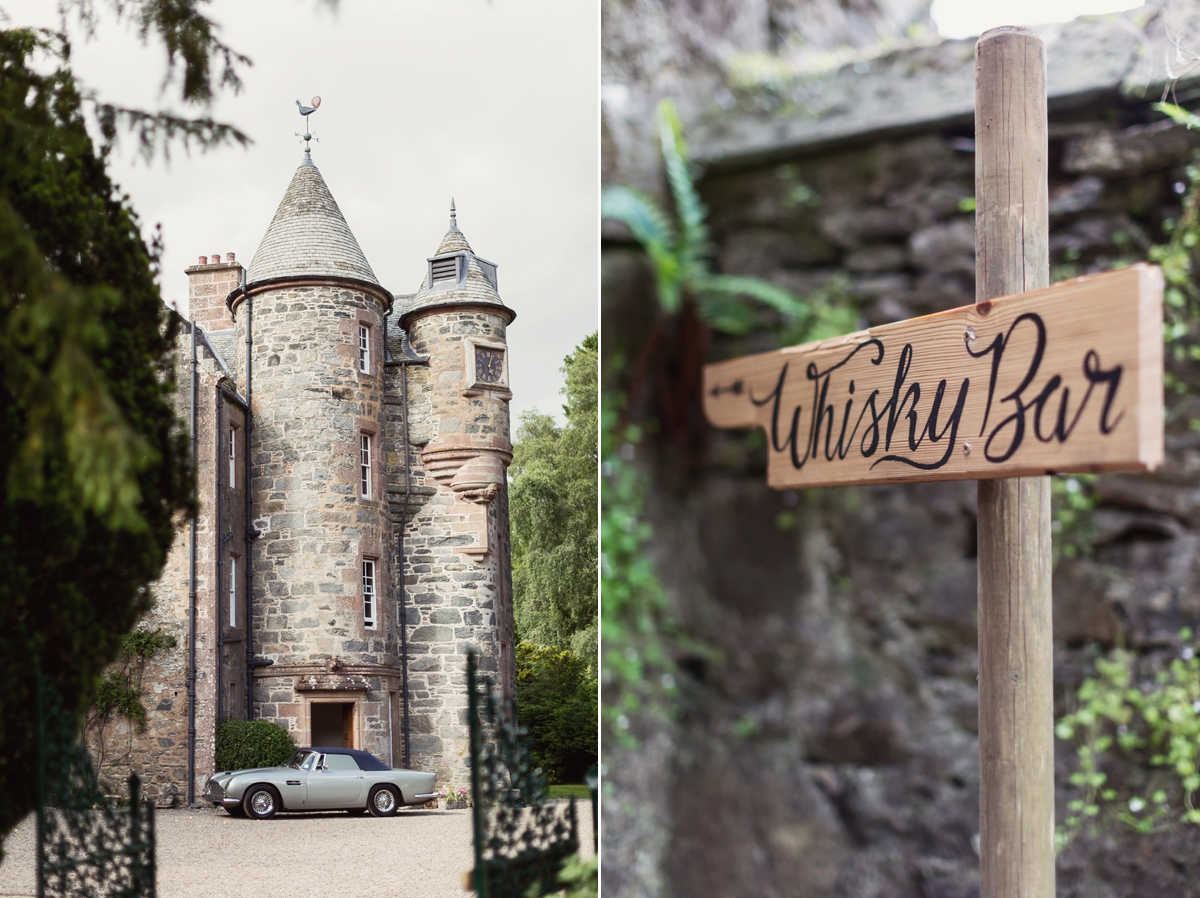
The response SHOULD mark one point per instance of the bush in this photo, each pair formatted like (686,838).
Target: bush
(243,744)
(557,699)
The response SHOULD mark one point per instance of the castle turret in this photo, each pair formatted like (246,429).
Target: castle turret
(457,544)
(323,641)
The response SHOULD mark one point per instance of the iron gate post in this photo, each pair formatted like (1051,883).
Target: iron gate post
(476,737)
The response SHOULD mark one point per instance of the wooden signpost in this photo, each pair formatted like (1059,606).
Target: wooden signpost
(1064,378)
(1030,380)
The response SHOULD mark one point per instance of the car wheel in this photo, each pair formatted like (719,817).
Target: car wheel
(384,801)
(356,812)
(261,802)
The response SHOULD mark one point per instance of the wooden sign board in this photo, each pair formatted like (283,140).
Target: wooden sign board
(1068,378)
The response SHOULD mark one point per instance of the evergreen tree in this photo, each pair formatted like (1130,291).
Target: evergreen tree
(94,471)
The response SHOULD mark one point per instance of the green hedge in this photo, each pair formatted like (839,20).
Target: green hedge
(243,744)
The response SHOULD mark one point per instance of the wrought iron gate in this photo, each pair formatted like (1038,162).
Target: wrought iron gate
(87,845)
(521,841)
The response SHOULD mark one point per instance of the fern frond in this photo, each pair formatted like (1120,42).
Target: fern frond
(648,223)
(760,291)
(653,230)
(693,237)
(726,313)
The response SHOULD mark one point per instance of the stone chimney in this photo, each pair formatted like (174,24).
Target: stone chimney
(209,282)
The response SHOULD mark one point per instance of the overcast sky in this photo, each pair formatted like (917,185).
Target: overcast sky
(968,18)
(491,102)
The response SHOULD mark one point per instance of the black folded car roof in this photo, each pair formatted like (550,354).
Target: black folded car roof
(366,760)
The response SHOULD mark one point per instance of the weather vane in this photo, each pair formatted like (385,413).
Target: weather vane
(306,111)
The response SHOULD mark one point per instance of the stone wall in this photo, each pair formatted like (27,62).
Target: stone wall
(312,405)
(210,281)
(455,583)
(825,741)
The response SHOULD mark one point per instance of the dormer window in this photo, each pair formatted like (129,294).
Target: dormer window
(447,271)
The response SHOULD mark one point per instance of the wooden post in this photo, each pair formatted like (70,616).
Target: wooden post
(1016,707)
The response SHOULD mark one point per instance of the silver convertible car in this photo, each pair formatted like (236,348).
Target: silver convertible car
(320,779)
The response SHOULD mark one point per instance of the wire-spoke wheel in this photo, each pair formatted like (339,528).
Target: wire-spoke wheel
(383,801)
(261,802)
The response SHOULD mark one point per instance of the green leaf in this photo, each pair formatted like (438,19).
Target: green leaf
(1178,114)
(653,230)
(688,207)
(761,291)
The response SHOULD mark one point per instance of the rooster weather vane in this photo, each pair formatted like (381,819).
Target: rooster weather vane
(306,111)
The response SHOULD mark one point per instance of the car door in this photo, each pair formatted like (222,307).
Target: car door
(336,783)
(293,784)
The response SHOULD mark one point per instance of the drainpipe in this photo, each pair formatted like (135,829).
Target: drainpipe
(220,580)
(251,533)
(400,563)
(407,358)
(191,679)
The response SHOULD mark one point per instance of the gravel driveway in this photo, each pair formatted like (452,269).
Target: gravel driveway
(208,854)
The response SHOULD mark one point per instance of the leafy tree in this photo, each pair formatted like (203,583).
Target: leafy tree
(558,701)
(554,518)
(94,466)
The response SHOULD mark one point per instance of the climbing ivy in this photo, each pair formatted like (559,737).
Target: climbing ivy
(119,693)
(1155,724)
(633,608)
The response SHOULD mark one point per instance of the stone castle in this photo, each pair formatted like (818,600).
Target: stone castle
(352,537)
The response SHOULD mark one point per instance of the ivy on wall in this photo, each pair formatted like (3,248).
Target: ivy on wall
(119,695)
(1152,722)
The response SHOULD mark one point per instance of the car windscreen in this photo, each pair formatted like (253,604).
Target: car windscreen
(299,758)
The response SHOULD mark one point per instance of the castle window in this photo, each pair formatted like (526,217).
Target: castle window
(368,593)
(364,349)
(364,466)
(233,591)
(233,458)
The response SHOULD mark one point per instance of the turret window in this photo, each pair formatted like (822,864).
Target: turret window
(368,593)
(364,349)
(364,466)
(443,270)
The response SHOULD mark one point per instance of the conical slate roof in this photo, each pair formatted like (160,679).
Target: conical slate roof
(478,286)
(308,236)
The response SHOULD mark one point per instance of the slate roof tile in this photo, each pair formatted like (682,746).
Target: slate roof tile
(309,235)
